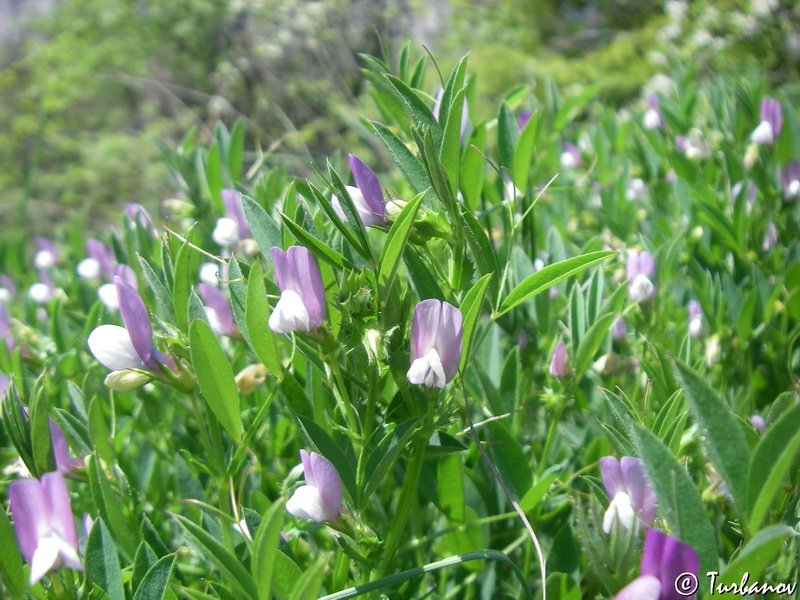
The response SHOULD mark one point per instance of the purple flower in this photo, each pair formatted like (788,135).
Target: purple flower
(218,311)
(757,421)
(619,329)
(559,366)
(769,129)
(7,289)
(367,196)
(770,237)
(43,524)
(570,156)
(232,202)
(5,328)
(630,493)
(695,317)
(790,177)
(320,498)
(46,255)
(641,268)
(652,119)
(665,560)
(130,347)
(99,261)
(302,303)
(524,117)
(435,343)
(43,290)
(4,381)
(139,217)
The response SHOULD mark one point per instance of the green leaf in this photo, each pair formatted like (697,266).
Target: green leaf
(425,283)
(102,562)
(470,311)
(182,286)
(215,377)
(534,495)
(214,175)
(507,136)
(307,587)
(264,230)
(39,422)
(235,151)
(679,502)
(286,575)
(417,110)
(408,163)
(144,559)
(509,458)
(155,585)
(450,476)
(395,245)
(523,156)
(549,276)
(724,439)
(754,558)
(227,563)
(159,289)
(594,337)
(265,549)
(350,211)
(260,337)
(472,168)
(481,248)
(99,434)
(317,248)
(110,507)
(10,558)
(771,461)
(450,152)
(384,456)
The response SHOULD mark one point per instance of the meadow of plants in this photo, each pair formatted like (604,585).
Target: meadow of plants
(552,353)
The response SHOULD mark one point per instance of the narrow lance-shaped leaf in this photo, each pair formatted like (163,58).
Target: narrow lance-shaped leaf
(215,377)
(724,439)
(102,561)
(395,244)
(549,276)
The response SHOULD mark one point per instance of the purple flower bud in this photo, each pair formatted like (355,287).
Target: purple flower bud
(218,311)
(524,117)
(758,423)
(302,303)
(7,289)
(369,199)
(5,328)
(790,176)
(320,498)
(435,343)
(559,366)
(4,383)
(770,237)
(641,269)
(619,329)
(630,493)
(232,201)
(652,119)
(46,254)
(64,461)
(139,217)
(769,129)
(570,156)
(96,250)
(695,317)
(665,561)
(43,524)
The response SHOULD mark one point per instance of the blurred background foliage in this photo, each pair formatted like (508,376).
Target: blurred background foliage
(86,86)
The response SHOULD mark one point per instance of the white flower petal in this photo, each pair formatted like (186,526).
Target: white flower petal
(109,296)
(427,370)
(112,347)
(620,510)
(762,134)
(306,503)
(226,232)
(290,314)
(88,268)
(46,557)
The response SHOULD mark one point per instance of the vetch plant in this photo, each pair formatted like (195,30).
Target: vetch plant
(632,499)
(769,128)
(641,270)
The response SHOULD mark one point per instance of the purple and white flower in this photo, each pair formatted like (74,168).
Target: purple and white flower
(367,196)
(302,303)
(652,119)
(218,310)
(790,177)
(665,561)
(44,525)
(436,333)
(641,270)
(632,499)
(320,499)
(769,129)
(695,316)
(559,364)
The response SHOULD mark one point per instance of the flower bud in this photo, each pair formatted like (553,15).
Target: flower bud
(126,380)
(249,378)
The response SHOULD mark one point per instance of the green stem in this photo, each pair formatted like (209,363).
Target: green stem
(551,434)
(410,487)
(344,397)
